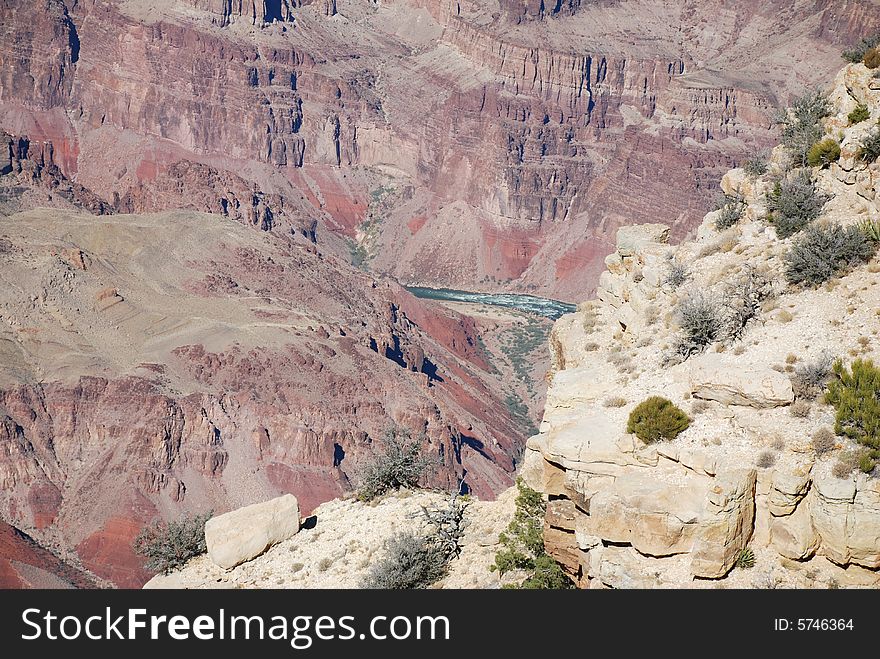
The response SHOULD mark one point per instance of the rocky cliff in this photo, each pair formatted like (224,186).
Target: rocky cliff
(745,474)
(526,132)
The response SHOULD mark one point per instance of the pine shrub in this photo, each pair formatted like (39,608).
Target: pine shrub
(827,252)
(168,546)
(794,203)
(657,418)
(522,545)
(854,394)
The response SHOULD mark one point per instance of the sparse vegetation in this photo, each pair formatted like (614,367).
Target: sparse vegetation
(766,459)
(870,150)
(522,545)
(657,418)
(676,275)
(614,401)
(809,379)
(857,53)
(401,463)
(859,114)
(794,203)
(742,301)
(418,560)
(800,409)
(827,252)
(699,406)
(823,441)
(872,58)
(802,124)
(823,153)
(871,229)
(731,207)
(168,546)
(757,165)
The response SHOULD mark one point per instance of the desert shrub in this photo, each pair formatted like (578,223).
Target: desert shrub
(800,409)
(872,58)
(823,153)
(742,301)
(870,150)
(411,562)
(859,114)
(757,165)
(701,321)
(656,418)
(614,401)
(857,52)
(401,463)
(745,559)
(809,378)
(802,124)
(699,406)
(732,208)
(871,229)
(522,545)
(853,392)
(827,252)
(676,275)
(417,560)
(794,202)
(823,440)
(766,459)
(866,463)
(168,546)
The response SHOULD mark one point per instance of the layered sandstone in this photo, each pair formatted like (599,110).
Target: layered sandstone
(744,475)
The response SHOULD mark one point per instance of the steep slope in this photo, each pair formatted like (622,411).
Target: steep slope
(25,564)
(151,364)
(746,473)
(519,137)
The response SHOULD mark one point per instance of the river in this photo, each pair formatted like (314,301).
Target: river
(540,306)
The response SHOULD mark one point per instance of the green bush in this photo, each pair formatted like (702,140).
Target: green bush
(872,58)
(870,150)
(802,124)
(860,114)
(522,545)
(871,229)
(857,53)
(794,202)
(854,394)
(823,153)
(826,252)
(168,546)
(400,464)
(657,418)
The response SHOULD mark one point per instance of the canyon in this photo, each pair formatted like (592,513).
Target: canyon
(209,210)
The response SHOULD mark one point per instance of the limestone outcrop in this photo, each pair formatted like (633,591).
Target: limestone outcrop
(744,483)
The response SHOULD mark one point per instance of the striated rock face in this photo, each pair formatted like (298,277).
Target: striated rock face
(26,564)
(526,136)
(152,365)
(744,474)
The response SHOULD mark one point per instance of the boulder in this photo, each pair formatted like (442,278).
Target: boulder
(727,525)
(657,518)
(732,383)
(846,515)
(245,533)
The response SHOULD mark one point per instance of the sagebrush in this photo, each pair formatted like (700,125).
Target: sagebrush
(522,545)
(810,377)
(802,124)
(701,320)
(794,202)
(731,208)
(400,463)
(657,418)
(168,546)
(827,252)
(757,165)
